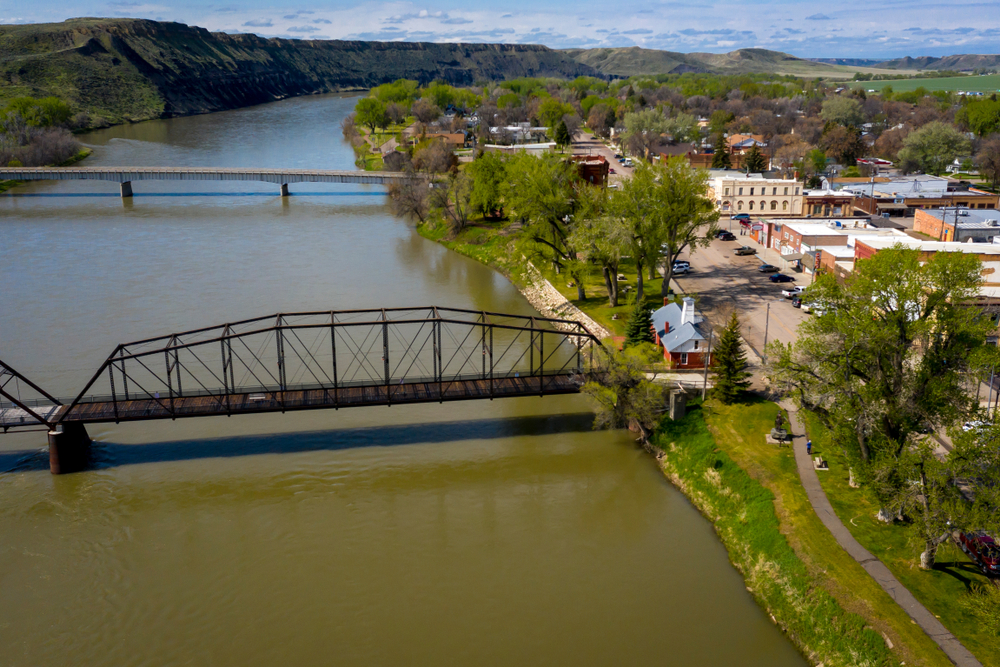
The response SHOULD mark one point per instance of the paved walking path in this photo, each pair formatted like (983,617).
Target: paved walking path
(953,648)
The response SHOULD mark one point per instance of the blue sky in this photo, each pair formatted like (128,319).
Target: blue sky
(852,28)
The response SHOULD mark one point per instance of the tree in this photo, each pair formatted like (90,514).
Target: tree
(639,328)
(844,111)
(932,148)
(625,395)
(682,127)
(370,112)
(435,157)
(488,172)
(643,129)
(601,119)
(45,112)
(843,143)
(817,159)
(732,377)
(395,112)
(754,161)
(425,111)
(893,352)
(980,116)
(551,112)
(600,238)
(452,197)
(720,158)
(719,120)
(410,198)
(988,160)
(540,193)
(562,136)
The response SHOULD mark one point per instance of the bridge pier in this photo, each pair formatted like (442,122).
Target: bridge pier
(126,189)
(69,449)
(284,189)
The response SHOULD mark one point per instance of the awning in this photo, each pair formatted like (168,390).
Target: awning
(793,256)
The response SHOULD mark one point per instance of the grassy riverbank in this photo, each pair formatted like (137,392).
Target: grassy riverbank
(815,592)
(84,153)
(942,589)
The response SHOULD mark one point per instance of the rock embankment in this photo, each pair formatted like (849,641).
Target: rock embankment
(551,303)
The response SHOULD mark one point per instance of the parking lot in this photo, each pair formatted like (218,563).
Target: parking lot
(722,281)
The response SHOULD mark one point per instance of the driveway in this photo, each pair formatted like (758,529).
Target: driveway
(722,281)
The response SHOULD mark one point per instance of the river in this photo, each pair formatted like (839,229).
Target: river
(487,533)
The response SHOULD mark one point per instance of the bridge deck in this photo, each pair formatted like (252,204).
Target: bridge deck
(129,174)
(305,399)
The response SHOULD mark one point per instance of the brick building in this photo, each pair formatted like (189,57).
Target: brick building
(958,224)
(679,331)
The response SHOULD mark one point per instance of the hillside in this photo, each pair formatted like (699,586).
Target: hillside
(957,63)
(133,69)
(632,61)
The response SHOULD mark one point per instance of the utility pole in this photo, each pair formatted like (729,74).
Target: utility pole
(767,321)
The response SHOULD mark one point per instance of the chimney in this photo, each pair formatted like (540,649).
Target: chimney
(687,313)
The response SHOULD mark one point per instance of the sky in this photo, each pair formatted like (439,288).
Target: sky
(848,29)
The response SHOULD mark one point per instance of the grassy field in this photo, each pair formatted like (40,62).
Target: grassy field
(986,84)
(897,545)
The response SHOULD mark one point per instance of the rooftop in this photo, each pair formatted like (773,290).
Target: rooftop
(968,218)
(933,246)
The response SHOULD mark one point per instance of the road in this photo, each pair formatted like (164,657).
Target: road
(585,143)
(722,281)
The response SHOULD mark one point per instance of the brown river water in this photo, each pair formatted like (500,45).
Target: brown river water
(476,533)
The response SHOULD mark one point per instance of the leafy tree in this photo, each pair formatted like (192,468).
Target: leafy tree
(639,328)
(488,172)
(988,160)
(682,127)
(370,112)
(932,148)
(719,120)
(562,136)
(732,377)
(410,198)
(45,112)
(400,91)
(844,111)
(720,158)
(452,196)
(425,111)
(643,129)
(980,116)
(817,159)
(540,192)
(440,94)
(624,395)
(551,111)
(600,238)
(601,119)
(844,143)
(754,160)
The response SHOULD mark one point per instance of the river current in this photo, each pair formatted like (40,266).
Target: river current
(477,533)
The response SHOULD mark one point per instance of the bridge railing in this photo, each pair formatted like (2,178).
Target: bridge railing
(337,352)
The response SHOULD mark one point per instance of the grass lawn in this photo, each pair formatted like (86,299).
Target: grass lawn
(739,431)
(989,83)
(707,463)
(941,589)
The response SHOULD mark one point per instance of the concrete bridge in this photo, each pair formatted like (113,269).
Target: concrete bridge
(126,175)
(307,361)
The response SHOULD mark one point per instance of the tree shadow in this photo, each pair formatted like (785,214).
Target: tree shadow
(959,570)
(113,455)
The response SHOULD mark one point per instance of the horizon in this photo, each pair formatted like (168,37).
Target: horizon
(810,30)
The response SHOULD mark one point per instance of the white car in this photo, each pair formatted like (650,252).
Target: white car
(792,291)
(681,268)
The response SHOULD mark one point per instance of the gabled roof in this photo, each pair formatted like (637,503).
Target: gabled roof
(680,336)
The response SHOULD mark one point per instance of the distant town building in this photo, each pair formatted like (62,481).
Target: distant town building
(959,224)
(736,192)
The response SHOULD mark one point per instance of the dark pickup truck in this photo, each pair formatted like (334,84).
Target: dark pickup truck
(745,250)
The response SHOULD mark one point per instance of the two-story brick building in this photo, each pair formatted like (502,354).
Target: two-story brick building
(958,224)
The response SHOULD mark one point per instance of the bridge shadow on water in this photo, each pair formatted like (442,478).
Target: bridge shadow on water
(106,455)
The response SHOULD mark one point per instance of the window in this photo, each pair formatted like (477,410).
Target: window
(786,191)
(774,206)
(751,206)
(741,191)
(751,192)
(727,192)
(796,191)
(784,206)
(739,206)
(696,345)
(763,205)
(774,191)
(725,206)
(684,358)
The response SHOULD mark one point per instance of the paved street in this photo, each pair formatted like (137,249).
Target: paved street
(723,281)
(585,143)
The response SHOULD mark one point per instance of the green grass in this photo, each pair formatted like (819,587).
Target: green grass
(743,512)
(897,545)
(985,84)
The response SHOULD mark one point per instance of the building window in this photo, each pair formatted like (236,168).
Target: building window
(763,205)
(727,192)
(796,191)
(786,191)
(684,358)
(696,345)
(784,206)
(751,192)
(774,206)
(751,206)
(725,206)
(739,206)
(741,191)
(774,191)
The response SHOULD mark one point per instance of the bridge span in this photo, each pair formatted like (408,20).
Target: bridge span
(126,175)
(306,361)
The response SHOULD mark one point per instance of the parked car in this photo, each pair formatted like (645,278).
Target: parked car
(611,171)
(767,268)
(740,216)
(780,278)
(983,550)
(744,250)
(793,291)
(727,236)
(796,301)
(681,267)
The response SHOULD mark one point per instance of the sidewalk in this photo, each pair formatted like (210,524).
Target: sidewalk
(953,648)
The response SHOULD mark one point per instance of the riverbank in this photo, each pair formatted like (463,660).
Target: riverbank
(84,153)
(826,602)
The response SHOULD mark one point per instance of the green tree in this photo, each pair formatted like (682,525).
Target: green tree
(718,121)
(682,127)
(755,161)
(932,148)
(844,111)
(370,112)
(562,137)
(400,91)
(732,377)
(488,172)
(441,94)
(624,394)
(639,328)
(817,159)
(600,238)
(45,112)
(643,129)
(720,158)
(551,111)
(988,160)
(980,116)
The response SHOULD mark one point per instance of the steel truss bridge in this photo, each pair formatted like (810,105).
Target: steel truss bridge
(312,360)
(126,175)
